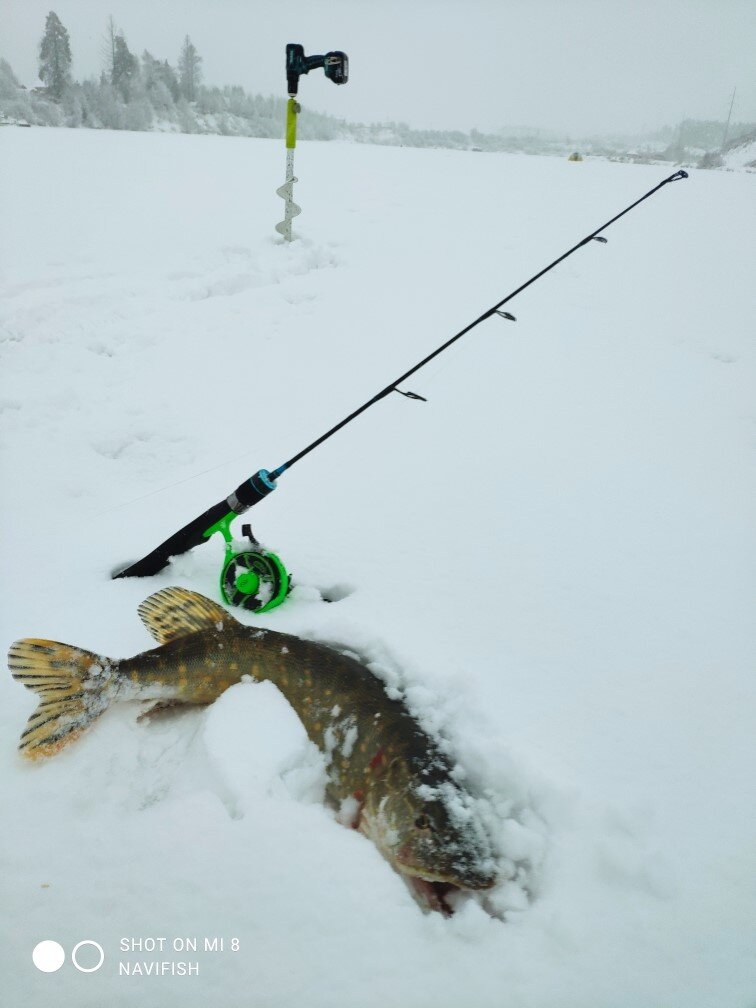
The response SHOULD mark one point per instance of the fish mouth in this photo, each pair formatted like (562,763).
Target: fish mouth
(431,895)
(440,892)
(437,878)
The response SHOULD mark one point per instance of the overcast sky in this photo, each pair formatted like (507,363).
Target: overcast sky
(574,65)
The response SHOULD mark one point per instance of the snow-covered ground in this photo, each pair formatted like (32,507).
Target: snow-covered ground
(554,557)
(742,156)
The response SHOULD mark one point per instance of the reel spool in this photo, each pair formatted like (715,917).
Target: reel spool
(252,578)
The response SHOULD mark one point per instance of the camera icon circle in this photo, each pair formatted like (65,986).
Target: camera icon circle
(88,969)
(48,956)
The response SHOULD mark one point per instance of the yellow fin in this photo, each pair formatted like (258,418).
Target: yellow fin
(75,687)
(176,612)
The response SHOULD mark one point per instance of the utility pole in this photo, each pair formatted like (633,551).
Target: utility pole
(729,116)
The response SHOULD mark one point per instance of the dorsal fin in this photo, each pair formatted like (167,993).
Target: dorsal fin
(175,612)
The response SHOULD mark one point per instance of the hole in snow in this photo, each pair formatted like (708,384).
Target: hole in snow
(337,592)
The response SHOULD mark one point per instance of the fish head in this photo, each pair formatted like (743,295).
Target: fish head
(430,835)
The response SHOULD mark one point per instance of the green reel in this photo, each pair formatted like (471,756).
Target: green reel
(253,579)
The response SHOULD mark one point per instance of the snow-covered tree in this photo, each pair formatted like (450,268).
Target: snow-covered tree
(9,84)
(170,79)
(190,73)
(108,48)
(150,69)
(160,80)
(125,67)
(108,107)
(55,56)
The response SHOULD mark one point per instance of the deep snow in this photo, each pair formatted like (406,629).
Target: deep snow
(553,556)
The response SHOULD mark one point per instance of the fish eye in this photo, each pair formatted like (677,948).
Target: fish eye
(422,821)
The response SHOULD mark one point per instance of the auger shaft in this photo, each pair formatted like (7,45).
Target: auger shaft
(286,191)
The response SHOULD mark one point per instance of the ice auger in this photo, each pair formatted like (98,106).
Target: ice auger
(336,67)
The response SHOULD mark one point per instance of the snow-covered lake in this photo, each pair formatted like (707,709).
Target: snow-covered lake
(553,556)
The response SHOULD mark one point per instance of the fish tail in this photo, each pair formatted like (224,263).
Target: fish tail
(74,686)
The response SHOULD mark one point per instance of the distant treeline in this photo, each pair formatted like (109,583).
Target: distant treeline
(152,96)
(146,93)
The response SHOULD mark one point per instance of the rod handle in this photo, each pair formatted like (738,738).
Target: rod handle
(246,495)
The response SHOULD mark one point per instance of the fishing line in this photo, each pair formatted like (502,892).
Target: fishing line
(170,486)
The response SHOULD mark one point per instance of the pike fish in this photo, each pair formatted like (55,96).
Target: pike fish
(386,775)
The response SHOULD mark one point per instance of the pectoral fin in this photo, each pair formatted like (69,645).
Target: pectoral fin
(163,707)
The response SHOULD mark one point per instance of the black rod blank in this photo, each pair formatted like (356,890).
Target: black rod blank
(463,332)
(263,482)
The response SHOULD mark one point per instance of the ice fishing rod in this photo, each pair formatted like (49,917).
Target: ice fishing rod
(255,579)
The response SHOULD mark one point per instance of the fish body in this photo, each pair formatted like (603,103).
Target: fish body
(386,775)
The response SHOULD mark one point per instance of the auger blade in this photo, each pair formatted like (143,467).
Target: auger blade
(286,192)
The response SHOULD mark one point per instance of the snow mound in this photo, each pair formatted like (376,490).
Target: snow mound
(260,748)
